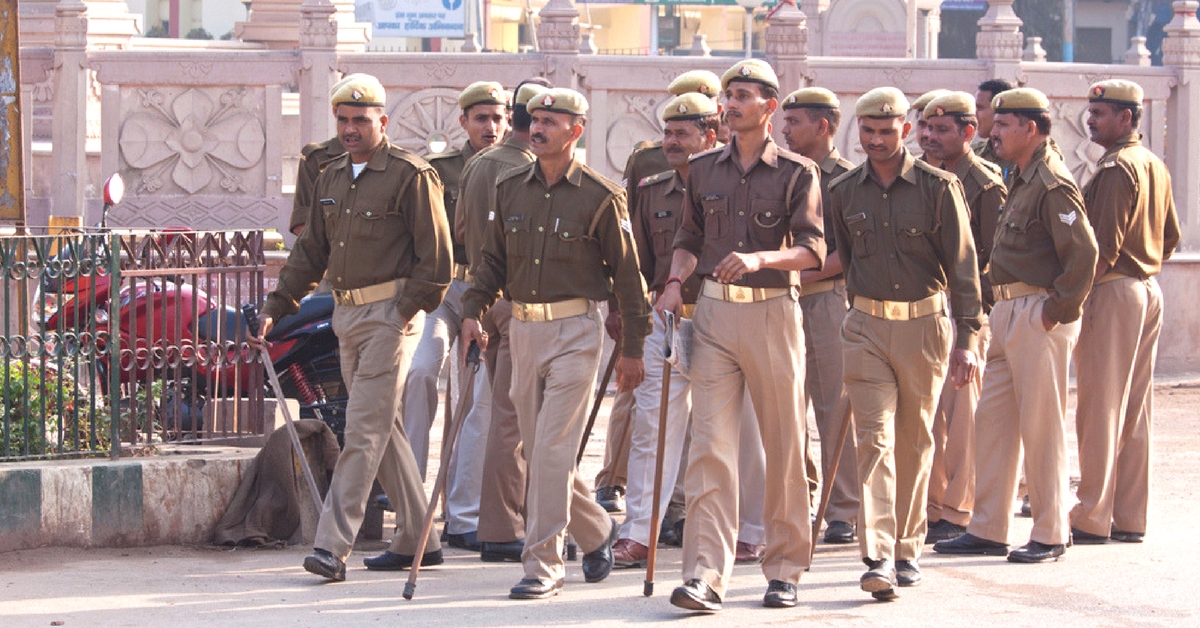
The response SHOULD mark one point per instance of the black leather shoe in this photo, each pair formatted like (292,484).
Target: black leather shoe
(611,498)
(500,552)
(1079,537)
(943,530)
(970,544)
(387,561)
(880,579)
(908,574)
(325,564)
(466,541)
(780,594)
(535,589)
(1126,537)
(696,595)
(839,533)
(1034,552)
(598,563)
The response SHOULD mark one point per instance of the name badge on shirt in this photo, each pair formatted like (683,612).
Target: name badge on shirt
(859,217)
(515,218)
(328,201)
(710,197)
(663,214)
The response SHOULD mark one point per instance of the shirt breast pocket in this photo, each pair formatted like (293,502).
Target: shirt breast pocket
(570,243)
(862,235)
(1015,229)
(912,232)
(372,222)
(768,224)
(662,234)
(716,217)
(518,241)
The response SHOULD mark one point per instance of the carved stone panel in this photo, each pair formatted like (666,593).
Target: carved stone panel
(426,121)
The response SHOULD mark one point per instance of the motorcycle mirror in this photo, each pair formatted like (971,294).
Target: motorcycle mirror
(114,189)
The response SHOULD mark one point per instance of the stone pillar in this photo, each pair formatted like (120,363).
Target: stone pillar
(318,42)
(1138,54)
(276,23)
(999,40)
(1033,50)
(700,47)
(929,26)
(786,47)
(109,23)
(559,40)
(1181,50)
(816,12)
(69,125)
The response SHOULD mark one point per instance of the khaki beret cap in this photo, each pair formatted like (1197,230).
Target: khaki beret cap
(559,100)
(338,85)
(362,90)
(752,70)
(1020,100)
(527,92)
(1116,91)
(881,102)
(689,107)
(697,81)
(483,93)
(811,97)
(926,98)
(951,103)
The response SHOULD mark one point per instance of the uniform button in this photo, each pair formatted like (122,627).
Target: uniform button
(514,229)
(352,186)
(566,235)
(885,195)
(541,228)
(768,214)
(347,211)
(339,280)
(743,180)
(342,244)
(885,223)
(741,213)
(533,292)
(896,286)
(537,261)
(741,244)
(547,195)
(368,213)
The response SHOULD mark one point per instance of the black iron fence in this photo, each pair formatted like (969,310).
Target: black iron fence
(115,340)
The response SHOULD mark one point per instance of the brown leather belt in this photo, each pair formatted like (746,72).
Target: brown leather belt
(369,294)
(901,310)
(740,294)
(462,272)
(1016,290)
(822,286)
(545,312)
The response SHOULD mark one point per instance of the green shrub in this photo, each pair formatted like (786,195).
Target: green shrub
(44,413)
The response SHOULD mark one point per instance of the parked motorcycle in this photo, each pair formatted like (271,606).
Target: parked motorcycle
(172,330)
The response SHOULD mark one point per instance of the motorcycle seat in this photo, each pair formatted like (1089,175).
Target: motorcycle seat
(312,307)
(225,323)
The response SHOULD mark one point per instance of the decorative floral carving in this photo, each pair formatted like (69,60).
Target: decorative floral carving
(196,69)
(424,117)
(194,139)
(440,70)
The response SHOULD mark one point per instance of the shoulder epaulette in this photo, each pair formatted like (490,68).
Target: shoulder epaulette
(986,174)
(408,156)
(849,174)
(1049,178)
(514,172)
(609,184)
(446,155)
(656,178)
(925,167)
(705,153)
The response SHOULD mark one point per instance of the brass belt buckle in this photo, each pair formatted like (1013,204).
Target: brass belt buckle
(896,312)
(740,294)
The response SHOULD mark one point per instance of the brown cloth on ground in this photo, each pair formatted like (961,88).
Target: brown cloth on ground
(266,509)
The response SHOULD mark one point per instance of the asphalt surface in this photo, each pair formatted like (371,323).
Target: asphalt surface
(1116,584)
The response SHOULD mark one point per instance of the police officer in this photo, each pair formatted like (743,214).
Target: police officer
(751,222)
(484,117)
(313,158)
(501,530)
(690,127)
(917,113)
(377,225)
(1131,209)
(950,126)
(982,145)
(810,121)
(905,239)
(1041,268)
(560,239)
(646,160)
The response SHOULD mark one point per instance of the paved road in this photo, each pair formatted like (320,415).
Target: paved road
(178,587)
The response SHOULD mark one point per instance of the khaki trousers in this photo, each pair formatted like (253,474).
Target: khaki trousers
(731,355)
(893,372)
(617,441)
(824,314)
(1023,404)
(1114,369)
(952,475)
(376,347)
(554,373)
(502,497)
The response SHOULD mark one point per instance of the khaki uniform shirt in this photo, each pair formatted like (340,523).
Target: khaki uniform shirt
(477,191)
(983,148)
(554,243)
(449,167)
(655,221)
(384,225)
(313,158)
(1044,237)
(832,167)
(1132,211)
(909,241)
(646,159)
(773,206)
(986,194)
